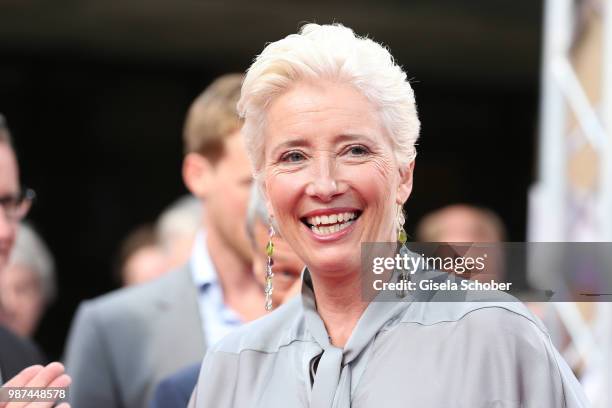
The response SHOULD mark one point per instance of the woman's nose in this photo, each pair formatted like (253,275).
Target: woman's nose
(324,184)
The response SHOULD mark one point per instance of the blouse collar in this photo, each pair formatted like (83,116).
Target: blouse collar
(377,314)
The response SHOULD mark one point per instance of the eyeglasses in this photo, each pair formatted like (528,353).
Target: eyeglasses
(16,206)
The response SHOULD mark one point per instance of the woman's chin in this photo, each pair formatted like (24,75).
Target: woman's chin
(334,261)
(332,253)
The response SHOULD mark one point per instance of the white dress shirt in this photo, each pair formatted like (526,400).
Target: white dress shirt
(218,319)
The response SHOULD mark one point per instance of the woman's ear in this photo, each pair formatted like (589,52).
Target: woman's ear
(405,185)
(197,171)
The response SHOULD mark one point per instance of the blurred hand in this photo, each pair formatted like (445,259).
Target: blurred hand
(38,376)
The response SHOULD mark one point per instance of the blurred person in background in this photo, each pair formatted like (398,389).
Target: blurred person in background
(461,223)
(174,391)
(141,258)
(150,251)
(176,229)
(464,223)
(16,354)
(27,284)
(15,202)
(122,344)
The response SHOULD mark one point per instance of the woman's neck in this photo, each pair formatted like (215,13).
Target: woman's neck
(340,305)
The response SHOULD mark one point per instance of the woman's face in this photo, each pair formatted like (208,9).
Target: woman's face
(331,178)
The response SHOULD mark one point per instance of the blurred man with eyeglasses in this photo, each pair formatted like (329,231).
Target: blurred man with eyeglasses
(14,201)
(16,353)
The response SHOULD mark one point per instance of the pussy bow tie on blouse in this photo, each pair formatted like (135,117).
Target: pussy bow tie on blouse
(332,382)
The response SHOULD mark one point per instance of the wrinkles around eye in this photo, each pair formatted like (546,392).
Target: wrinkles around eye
(352,154)
(357,151)
(293,156)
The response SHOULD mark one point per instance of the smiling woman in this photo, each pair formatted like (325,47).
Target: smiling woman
(331,124)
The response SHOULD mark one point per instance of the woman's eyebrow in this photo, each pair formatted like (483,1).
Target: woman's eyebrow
(301,142)
(353,137)
(298,142)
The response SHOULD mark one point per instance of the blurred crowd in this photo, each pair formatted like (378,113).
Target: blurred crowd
(189,278)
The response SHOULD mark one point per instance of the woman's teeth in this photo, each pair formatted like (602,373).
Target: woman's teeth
(329,224)
(331,229)
(330,219)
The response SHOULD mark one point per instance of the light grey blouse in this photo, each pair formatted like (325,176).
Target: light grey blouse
(400,354)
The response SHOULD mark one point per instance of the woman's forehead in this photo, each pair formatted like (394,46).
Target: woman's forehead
(329,109)
(321,97)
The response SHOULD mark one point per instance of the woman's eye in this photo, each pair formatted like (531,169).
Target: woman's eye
(292,157)
(358,150)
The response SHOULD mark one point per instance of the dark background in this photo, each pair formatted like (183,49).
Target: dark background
(96,92)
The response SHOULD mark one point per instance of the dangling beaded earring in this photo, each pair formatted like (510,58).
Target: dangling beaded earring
(269,251)
(402,237)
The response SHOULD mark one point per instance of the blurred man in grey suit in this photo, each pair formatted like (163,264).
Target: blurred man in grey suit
(123,343)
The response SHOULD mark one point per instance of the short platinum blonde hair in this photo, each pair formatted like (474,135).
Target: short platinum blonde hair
(336,53)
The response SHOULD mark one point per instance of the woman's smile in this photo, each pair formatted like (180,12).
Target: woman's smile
(330,224)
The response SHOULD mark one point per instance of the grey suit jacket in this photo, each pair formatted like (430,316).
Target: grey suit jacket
(123,343)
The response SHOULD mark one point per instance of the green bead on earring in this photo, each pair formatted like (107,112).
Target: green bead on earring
(269,288)
(402,237)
